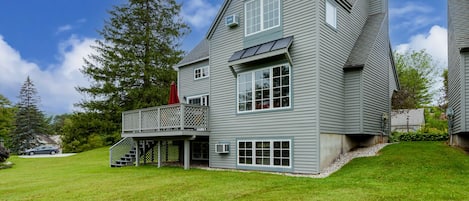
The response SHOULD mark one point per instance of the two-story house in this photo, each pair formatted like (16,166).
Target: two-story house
(288,86)
(458,71)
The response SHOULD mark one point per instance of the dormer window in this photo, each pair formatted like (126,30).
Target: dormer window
(261,15)
(331,14)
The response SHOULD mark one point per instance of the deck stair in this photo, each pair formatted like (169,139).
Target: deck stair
(128,158)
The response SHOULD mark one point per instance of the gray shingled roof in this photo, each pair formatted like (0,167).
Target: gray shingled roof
(199,53)
(365,41)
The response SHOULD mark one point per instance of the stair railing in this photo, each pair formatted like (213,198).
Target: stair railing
(119,149)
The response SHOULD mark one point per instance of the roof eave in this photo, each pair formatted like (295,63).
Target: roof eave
(192,62)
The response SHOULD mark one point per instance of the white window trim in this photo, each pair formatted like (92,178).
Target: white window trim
(290,156)
(203,96)
(262,18)
(207,68)
(334,20)
(253,86)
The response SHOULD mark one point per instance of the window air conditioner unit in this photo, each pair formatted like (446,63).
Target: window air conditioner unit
(222,148)
(231,20)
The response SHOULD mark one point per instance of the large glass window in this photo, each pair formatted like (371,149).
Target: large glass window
(271,153)
(261,15)
(271,88)
(331,13)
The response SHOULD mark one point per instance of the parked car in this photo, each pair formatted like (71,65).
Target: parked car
(43,149)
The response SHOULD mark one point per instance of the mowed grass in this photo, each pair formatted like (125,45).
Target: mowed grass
(404,171)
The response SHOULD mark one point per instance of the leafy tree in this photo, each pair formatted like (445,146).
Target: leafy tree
(29,120)
(133,65)
(57,123)
(443,100)
(85,131)
(7,117)
(416,71)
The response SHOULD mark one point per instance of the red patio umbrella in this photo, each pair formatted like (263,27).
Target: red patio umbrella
(173,94)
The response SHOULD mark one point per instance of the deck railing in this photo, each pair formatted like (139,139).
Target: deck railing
(166,118)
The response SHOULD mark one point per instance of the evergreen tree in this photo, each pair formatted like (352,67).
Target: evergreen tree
(133,65)
(29,120)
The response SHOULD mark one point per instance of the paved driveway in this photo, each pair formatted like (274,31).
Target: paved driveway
(47,155)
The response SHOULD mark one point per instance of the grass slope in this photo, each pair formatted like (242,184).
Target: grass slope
(404,171)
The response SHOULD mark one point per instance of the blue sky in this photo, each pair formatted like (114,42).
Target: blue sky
(48,39)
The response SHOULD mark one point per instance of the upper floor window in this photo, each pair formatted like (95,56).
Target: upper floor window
(264,89)
(201,72)
(261,15)
(331,13)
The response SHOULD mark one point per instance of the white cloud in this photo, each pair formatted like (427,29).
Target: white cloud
(63,28)
(434,42)
(56,85)
(198,13)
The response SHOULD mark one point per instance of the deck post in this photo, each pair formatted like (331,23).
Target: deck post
(183,116)
(159,153)
(158,119)
(186,154)
(140,121)
(137,154)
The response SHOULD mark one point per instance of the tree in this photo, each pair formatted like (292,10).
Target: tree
(4,154)
(443,100)
(29,120)
(84,131)
(416,71)
(57,123)
(133,65)
(7,116)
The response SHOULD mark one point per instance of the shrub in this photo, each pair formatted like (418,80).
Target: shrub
(417,136)
(4,154)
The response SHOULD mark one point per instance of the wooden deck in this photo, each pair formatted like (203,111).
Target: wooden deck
(169,120)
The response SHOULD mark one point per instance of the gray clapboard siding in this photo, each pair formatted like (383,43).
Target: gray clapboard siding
(457,38)
(335,47)
(465,66)
(376,6)
(299,123)
(190,87)
(376,98)
(353,102)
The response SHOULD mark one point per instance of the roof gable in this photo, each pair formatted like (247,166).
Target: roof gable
(218,18)
(199,53)
(361,49)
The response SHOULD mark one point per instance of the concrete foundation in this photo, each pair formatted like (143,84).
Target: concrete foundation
(332,145)
(461,140)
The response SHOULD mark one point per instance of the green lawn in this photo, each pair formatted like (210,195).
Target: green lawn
(404,171)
